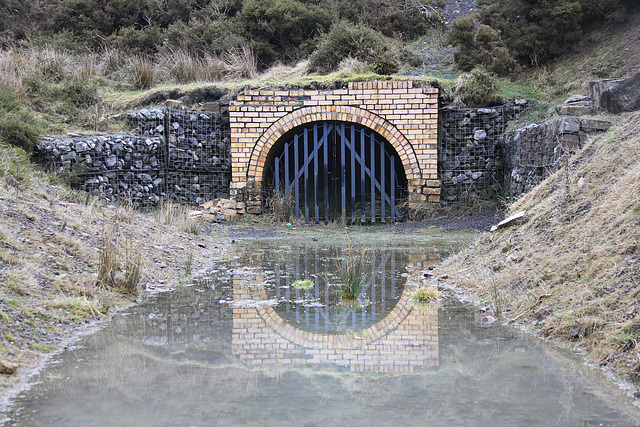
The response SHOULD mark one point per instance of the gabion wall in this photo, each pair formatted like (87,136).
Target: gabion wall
(191,166)
(471,153)
(110,166)
(198,151)
(534,152)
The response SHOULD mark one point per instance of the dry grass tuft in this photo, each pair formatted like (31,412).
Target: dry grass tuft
(120,262)
(426,294)
(177,216)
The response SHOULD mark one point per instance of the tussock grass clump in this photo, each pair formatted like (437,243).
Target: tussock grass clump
(176,215)
(15,168)
(120,262)
(282,207)
(350,266)
(426,294)
(572,271)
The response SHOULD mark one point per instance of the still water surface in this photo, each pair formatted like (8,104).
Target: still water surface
(250,344)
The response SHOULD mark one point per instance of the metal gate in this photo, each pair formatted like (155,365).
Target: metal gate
(338,170)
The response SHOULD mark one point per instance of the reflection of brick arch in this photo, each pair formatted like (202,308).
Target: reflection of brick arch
(339,113)
(314,340)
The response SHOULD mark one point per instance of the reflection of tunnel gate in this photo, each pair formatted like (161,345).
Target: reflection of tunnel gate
(337,170)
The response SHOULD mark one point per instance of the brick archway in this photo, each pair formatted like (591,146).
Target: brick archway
(347,114)
(404,115)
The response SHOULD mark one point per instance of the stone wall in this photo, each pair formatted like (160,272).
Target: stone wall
(191,166)
(534,152)
(110,166)
(471,154)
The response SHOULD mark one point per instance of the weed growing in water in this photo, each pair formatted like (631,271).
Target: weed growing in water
(303,284)
(351,271)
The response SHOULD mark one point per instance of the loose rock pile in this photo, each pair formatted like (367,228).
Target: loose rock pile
(471,153)
(225,210)
(534,152)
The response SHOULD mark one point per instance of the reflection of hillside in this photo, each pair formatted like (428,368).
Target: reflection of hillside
(187,322)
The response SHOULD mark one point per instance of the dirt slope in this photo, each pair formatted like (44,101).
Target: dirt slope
(572,272)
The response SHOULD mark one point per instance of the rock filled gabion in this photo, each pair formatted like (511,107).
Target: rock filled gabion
(110,166)
(198,151)
(534,152)
(191,166)
(471,154)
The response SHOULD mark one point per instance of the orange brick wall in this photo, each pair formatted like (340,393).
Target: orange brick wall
(406,116)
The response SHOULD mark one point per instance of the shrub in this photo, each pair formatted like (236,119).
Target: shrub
(146,40)
(18,126)
(203,36)
(480,45)
(476,89)
(532,32)
(356,41)
(284,30)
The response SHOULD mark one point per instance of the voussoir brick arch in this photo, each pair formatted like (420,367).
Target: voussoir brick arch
(325,340)
(347,114)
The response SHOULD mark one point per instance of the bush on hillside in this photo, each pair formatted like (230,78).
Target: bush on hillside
(480,45)
(346,40)
(476,89)
(18,126)
(532,33)
(410,18)
(284,30)
(143,41)
(203,36)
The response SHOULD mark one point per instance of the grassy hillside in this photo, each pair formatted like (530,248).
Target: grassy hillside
(572,271)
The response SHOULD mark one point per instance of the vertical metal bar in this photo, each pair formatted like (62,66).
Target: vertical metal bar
(286,169)
(315,173)
(167,121)
(276,177)
(383,180)
(363,184)
(295,175)
(353,173)
(326,172)
(373,177)
(343,175)
(392,184)
(306,175)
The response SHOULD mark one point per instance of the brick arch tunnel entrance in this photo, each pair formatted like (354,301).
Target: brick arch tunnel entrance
(334,169)
(397,120)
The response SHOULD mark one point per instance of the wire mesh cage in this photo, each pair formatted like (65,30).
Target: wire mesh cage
(177,155)
(471,153)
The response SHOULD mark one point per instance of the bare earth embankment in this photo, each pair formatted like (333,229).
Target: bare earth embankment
(572,271)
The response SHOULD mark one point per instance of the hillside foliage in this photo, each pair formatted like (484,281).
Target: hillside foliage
(511,33)
(276,30)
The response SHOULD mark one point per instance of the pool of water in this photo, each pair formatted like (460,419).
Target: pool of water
(268,337)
